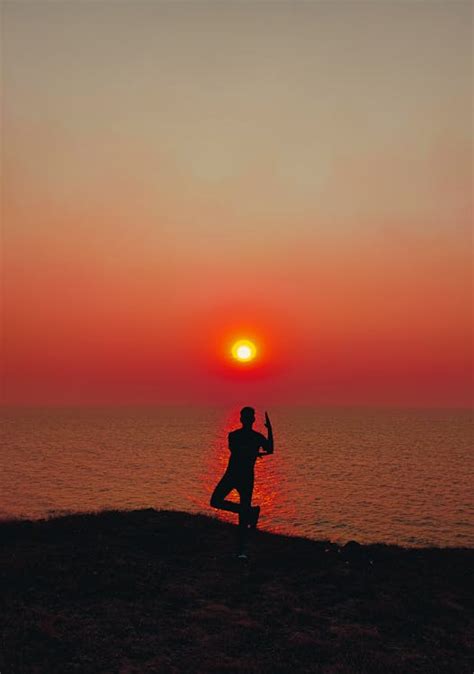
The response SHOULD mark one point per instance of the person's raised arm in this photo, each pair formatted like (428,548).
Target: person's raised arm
(269,434)
(268,446)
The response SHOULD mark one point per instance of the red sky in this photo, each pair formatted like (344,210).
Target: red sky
(311,188)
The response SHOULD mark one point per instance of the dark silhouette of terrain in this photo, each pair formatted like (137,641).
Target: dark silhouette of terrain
(149,591)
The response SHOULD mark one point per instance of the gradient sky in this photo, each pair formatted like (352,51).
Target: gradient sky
(176,173)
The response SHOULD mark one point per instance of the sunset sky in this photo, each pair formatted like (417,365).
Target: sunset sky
(177,175)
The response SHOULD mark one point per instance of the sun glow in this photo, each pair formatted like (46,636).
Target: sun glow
(244,350)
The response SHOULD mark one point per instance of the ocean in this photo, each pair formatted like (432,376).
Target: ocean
(369,475)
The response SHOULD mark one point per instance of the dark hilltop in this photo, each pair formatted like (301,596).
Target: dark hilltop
(159,591)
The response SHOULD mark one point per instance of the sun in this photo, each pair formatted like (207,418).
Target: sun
(244,350)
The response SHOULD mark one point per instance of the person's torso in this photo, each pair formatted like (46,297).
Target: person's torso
(244,445)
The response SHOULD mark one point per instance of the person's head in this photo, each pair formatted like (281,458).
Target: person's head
(247,416)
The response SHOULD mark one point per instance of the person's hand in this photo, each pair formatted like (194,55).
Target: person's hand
(267,421)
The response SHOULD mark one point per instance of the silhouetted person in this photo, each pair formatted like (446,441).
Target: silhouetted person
(244,445)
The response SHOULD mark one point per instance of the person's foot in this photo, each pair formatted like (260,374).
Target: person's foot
(253,516)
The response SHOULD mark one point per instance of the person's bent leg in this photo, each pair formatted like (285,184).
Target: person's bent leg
(218,498)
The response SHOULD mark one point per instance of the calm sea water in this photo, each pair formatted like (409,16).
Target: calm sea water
(395,476)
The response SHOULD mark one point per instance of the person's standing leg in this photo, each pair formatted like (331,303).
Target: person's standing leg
(245,489)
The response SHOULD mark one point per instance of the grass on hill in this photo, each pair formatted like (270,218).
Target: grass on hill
(159,591)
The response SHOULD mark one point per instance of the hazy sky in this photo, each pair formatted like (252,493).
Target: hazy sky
(177,173)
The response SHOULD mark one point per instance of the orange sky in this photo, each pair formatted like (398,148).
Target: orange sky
(175,174)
